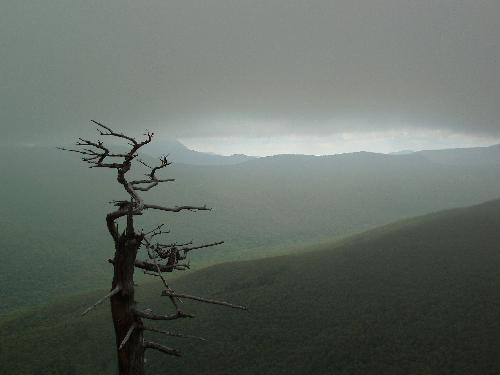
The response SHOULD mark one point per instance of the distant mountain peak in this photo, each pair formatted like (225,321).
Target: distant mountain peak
(180,153)
(402,152)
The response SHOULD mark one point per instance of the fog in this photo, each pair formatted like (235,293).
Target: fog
(393,74)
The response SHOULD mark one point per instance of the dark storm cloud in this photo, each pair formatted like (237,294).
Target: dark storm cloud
(213,67)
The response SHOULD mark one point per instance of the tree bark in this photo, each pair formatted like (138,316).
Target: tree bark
(131,354)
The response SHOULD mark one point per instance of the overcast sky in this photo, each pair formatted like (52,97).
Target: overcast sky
(259,77)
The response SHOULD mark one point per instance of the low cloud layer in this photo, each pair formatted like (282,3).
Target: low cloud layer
(338,143)
(214,68)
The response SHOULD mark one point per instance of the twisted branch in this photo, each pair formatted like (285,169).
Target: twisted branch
(176,208)
(174,334)
(148,314)
(167,293)
(161,348)
(127,336)
(109,295)
(188,249)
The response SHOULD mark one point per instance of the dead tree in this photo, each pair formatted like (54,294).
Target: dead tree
(128,319)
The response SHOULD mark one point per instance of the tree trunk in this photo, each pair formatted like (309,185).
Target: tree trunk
(131,355)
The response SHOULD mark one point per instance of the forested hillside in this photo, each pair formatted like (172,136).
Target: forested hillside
(416,297)
(54,207)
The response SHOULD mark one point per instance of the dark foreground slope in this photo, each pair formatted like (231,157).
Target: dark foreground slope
(416,297)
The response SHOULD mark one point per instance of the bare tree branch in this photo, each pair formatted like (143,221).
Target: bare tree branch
(144,163)
(161,348)
(158,270)
(119,135)
(91,153)
(176,208)
(174,334)
(188,249)
(127,336)
(166,293)
(163,267)
(146,266)
(147,314)
(155,232)
(155,229)
(109,295)
(175,244)
(151,185)
(150,273)
(153,180)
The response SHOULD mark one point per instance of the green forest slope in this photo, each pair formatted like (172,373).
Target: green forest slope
(416,297)
(53,209)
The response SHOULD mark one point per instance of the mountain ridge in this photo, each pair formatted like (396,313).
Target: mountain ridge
(54,209)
